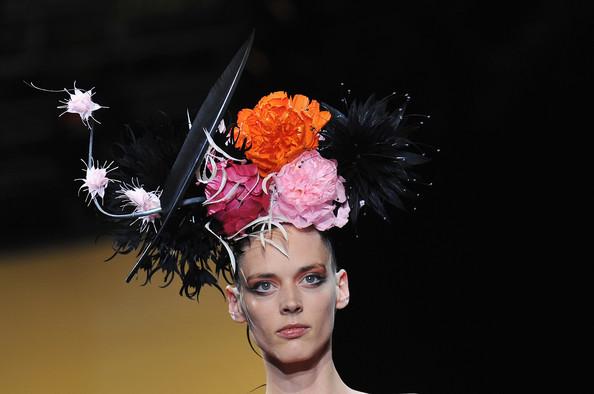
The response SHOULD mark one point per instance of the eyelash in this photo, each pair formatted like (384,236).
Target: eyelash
(319,280)
(255,287)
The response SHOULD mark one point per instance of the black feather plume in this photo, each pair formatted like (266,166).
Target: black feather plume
(374,154)
(194,147)
(208,117)
(185,248)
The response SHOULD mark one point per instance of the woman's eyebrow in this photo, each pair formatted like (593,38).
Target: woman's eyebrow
(267,275)
(311,266)
(263,275)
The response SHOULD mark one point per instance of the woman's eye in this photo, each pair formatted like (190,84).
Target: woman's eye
(313,279)
(262,287)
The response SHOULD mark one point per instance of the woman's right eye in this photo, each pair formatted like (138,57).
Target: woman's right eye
(262,287)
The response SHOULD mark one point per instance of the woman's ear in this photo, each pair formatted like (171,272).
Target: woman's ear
(234,305)
(342,287)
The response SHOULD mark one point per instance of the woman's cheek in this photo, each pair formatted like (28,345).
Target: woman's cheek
(260,310)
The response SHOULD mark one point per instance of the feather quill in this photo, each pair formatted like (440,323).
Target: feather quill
(195,146)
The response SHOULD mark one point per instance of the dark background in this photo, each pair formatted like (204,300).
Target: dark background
(427,309)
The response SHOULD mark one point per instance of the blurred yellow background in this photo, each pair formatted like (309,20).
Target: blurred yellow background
(70,324)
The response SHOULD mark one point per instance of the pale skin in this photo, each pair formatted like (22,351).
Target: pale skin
(302,288)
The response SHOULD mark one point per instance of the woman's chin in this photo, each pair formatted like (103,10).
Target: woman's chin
(292,352)
(296,353)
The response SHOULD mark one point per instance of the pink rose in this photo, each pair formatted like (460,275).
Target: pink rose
(308,191)
(240,199)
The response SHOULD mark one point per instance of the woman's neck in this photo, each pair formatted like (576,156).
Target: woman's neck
(315,376)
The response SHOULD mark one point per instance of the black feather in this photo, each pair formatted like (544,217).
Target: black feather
(209,115)
(184,248)
(374,154)
(192,151)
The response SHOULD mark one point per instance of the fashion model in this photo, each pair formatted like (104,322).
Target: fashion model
(254,198)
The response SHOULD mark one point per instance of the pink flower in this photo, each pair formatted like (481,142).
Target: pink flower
(308,191)
(142,201)
(80,103)
(96,180)
(240,199)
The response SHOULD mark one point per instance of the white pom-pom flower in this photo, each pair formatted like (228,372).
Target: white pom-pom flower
(95,182)
(81,103)
(142,201)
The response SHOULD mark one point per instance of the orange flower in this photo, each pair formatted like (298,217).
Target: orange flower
(279,129)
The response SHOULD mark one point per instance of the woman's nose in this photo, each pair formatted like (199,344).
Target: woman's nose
(291,302)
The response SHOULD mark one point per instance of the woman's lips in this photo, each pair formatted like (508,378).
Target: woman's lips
(293,332)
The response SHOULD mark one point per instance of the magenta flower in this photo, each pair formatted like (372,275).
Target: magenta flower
(310,192)
(95,181)
(235,196)
(81,103)
(142,201)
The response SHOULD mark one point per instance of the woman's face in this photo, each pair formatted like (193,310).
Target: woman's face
(279,291)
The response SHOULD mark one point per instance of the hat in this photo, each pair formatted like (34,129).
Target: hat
(184,202)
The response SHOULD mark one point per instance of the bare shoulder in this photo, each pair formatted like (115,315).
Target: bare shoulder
(356,392)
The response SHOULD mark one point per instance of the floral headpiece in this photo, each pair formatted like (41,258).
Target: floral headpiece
(284,161)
